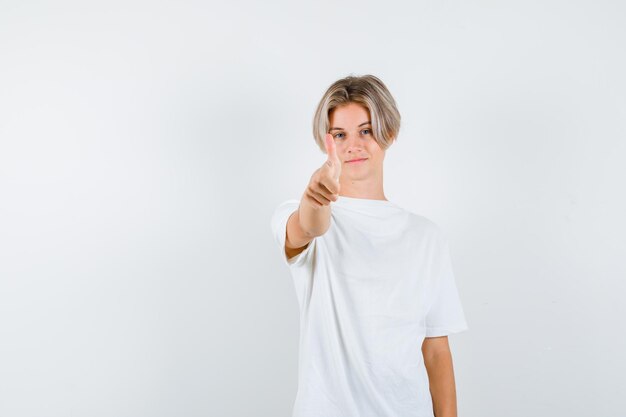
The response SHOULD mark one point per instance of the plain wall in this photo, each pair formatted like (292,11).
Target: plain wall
(145,145)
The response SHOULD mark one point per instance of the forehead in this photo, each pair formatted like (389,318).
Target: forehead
(348,115)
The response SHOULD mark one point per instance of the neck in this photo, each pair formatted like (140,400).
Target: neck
(362,189)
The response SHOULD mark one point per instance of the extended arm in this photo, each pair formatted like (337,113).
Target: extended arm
(312,218)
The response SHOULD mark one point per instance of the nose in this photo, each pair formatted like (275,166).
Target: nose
(353,143)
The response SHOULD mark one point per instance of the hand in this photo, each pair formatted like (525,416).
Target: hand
(324,184)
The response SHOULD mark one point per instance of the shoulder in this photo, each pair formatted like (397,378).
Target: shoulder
(285,207)
(292,202)
(425,225)
(281,213)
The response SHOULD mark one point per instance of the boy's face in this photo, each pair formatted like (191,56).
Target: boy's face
(352,131)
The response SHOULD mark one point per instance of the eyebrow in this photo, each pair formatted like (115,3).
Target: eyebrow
(340,128)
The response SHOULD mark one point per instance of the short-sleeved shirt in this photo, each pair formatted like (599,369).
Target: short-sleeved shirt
(369,291)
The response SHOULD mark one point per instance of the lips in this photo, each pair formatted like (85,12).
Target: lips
(357,160)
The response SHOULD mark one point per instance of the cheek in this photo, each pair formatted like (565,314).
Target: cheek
(374,149)
(375,153)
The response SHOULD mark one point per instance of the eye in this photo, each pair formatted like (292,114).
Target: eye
(366,130)
(337,134)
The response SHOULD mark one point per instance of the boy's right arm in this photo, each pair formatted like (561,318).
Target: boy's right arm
(297,239)
(312,218)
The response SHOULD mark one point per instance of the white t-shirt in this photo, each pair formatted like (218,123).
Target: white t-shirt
(369,290)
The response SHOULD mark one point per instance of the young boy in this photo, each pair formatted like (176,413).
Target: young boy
(374,281)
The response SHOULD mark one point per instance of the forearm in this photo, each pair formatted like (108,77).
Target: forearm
(314,219)
(442,384)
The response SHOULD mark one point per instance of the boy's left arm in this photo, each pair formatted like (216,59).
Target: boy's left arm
(438,361)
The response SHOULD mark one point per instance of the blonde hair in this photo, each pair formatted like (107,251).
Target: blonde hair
(367,91)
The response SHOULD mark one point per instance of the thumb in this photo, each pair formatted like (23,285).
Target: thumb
(331,150)
(333,160)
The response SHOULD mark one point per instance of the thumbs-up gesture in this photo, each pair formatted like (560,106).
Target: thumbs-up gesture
(324,184)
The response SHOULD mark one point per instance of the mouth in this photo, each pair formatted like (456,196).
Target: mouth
(356,161)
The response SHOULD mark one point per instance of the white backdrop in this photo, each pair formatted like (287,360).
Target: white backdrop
(144,146)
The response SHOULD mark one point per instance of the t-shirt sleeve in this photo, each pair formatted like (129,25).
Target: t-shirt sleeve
(445,314)
(279,230)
